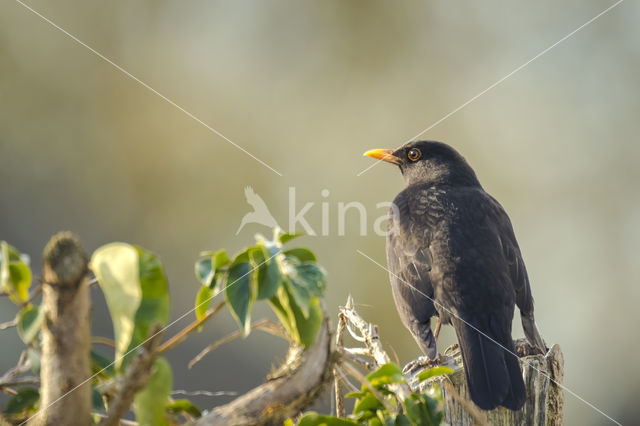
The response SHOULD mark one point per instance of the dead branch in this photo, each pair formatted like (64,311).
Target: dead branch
(368,334)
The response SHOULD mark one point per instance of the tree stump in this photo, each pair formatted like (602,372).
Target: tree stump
(542,375)
(65,392)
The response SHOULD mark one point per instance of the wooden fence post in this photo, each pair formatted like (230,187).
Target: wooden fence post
(543,406)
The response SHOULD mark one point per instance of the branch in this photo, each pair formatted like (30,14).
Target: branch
(10,378)
(9,324)
(264,325)
(182,335)
(65,363)
(286,396)
(138,374)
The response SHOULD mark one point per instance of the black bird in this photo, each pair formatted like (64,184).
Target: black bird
(452,253)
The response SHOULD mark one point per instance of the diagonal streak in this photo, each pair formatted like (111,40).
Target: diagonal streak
(491,339)
(146,340)
(145,85)
(501,80)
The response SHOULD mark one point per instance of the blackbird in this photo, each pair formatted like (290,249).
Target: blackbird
(452,253)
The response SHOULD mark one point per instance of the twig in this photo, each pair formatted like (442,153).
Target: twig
(28,380)
(33,294)
(9,324)
(182,334)
(264,325)
(369,333)
(203,393)
(362,379)
(99,340)
(346,352)
(346,381)
(137,376)
(9,378)
(342,322)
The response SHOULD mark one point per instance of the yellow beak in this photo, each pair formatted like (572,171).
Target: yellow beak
(384,155)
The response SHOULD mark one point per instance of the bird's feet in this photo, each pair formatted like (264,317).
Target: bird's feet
(524,348)
(420,363)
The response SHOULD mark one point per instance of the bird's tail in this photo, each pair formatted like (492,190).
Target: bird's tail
(493,374)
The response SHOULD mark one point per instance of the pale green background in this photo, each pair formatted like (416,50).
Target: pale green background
(307,87)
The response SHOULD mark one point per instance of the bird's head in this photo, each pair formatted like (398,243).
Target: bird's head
(429,162)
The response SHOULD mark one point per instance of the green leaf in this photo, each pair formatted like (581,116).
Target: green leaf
(284,315)
(29,321)
(203,300)
(301,253)
(204,271)
(183,406)
(207,267)
(288,236)
(150,402)
(385,375)
(312,276)
(116,266)
(101,365)
(136,292)
(433,372)
(401,420)
(269,277)
(302,329)
(240,294)
(367,403)
(307,326)
(419,410)
(300,294)
(312,418)
(25,400)
(15,274)
(97,403)
(154,308)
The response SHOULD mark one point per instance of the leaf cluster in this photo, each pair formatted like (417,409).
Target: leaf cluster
(289,279)
(370,410)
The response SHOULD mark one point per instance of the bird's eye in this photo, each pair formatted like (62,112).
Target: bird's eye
(414,154)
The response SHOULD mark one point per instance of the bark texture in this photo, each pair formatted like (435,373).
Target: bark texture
(65,399)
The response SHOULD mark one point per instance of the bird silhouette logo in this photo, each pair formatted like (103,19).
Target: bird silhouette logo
(260,213)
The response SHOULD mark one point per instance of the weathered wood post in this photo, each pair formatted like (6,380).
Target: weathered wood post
(542,376)
(65,335)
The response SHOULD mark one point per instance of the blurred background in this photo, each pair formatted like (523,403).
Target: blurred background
(307,87)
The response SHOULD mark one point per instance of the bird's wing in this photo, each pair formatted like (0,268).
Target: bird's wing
(512,255)
(255,200)
(409,265)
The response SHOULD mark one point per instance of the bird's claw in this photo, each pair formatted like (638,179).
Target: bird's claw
(524,348)
(421,363)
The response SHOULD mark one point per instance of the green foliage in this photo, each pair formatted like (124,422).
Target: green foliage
(417,409)
(15,274)
(29,320)
(24,403)
(150,402)
(290,279)
(136,292)
(432,372)
(183,406)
